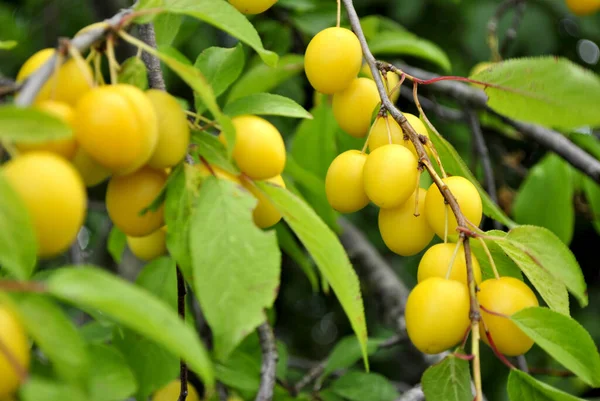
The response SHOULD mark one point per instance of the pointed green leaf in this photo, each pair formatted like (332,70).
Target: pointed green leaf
(213,151)
(30,125)
(522,387)
(550,91)
(224,16)
(327,252)
(133,72)
(346,353)
(266,104)
(504,264)
(18,245)
(55,335)
(38,388)
(554,178)
(262,78)
(448,380)
(236,265)
(360,386)
(117,241)
(221,66)
(564,339)
(454,164)
(166,26)
(135,308)
(112,380)
(592,194)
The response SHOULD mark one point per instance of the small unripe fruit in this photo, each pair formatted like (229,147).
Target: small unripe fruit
(420,129)
(436,261)
(468,199)
(391,81)
(171,392)
(437,314)
(92,172)
(332,60)
(402,231)
(14,338)
(173,130)
(116,125)
(54,195)
(380,134)
(63,147)
(390,175)
(127,196)
(344,185)
(259,149)
(68,85)
(149,247)
(354,106)
(505,296)
(583,7)
(265,213)
(252,6)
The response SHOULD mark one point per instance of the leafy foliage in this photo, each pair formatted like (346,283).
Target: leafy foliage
(30,125)
(448,380)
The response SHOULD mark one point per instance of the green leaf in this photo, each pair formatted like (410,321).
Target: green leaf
(117,241)
(160,278)
(327,252)
(549,90)
(96,332)
(194,78)
(346,353)
(135,308)
(554,178)
(504,264)
(133,72)
(237,269)
(30,125)
(8,44)
(549,253)
(290,246)
(37,389)
(112,380)
(221,66)
(262,78)
(592,194)
(282,360)
(224,16)
(166,27)
(18,244)
(240,371)
(564,339)
(454,164)
(521,387)
(55,335)
(448,380)
(360,386)
(406,43)
(266,104)
(213,150)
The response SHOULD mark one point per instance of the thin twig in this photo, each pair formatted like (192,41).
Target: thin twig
(268,368)
(183,371)
(443,112)
(511,33)
(492,27)
(552,140)
(155,74)
(484,158)
(22,286)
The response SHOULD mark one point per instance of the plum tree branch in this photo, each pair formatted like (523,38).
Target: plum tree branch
(550,139)
(155,75)
(268,367)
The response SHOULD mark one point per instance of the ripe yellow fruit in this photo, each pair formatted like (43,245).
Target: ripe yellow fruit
(265,214)
(354,106)
(68,85)
(505,296)
(436,260)
(332,60)
(116,125)
(390,175)
(63,147)
(92,172)
(259,149)
(467,197)
(171,392)
(252,6)
(437,314)
(420,128)
(380,135)
(149,247)
(54,195)
(128,195)
(391,81)
(173,130)
(402,231)
(344,183)
(13,336)
(583,7)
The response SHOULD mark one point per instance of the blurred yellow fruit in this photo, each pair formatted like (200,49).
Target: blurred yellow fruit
(354,106)
(14,338)
(583,7)
(171,392)
(149,247)
(92,172)
(265,213)
(252,6)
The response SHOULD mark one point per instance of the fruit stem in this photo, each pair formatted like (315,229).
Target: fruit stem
(364,148)
(113,66)
(416,213)
(339,13)
(81,64)
(476,360)
(489,256)
(453,258)
(98,68)
(389,129)
(445,223)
